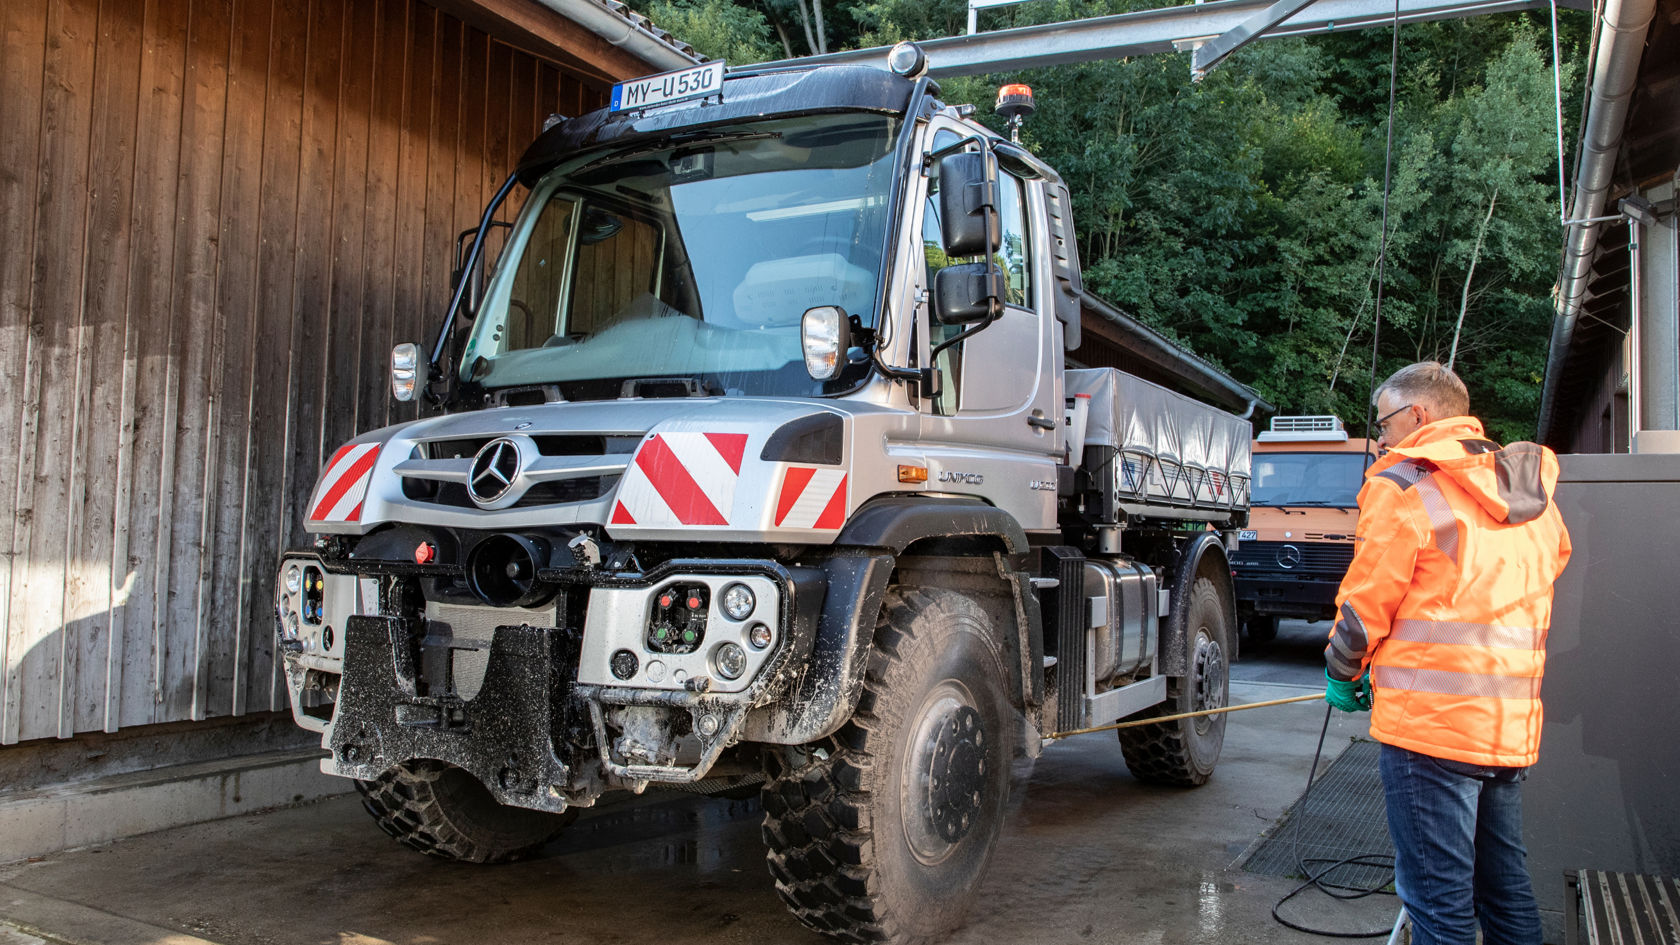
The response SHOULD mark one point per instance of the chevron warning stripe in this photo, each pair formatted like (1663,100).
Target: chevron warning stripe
(681,479)
(345,483)
(812,498)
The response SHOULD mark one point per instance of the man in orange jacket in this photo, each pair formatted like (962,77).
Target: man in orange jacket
(1441,633)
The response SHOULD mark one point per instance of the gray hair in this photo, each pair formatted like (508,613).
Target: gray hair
(1428,384)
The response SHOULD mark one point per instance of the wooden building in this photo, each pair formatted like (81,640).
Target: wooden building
(218,216)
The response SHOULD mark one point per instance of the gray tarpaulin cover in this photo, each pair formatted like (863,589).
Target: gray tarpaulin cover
(1171,449)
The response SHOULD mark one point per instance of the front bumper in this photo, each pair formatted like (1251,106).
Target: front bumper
(1306,596)
(527,700)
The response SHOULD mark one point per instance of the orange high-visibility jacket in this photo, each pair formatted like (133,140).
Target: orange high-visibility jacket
(1449,596)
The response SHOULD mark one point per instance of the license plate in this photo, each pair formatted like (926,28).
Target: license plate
(1248,534)
(693,82)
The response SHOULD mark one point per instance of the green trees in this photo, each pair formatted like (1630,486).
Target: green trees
(1243,214)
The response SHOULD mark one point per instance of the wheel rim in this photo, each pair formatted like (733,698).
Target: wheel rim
(944,783)
(1207,679)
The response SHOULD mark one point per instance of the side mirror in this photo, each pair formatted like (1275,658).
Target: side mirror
(405,369)
(968,201)
(825,333)
(968,293)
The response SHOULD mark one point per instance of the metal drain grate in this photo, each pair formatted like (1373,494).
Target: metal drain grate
(1343,817)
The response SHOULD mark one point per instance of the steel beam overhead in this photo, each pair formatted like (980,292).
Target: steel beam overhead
(1214,51)
(1161,31)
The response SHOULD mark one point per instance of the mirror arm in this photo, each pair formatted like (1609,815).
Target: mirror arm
(434,373)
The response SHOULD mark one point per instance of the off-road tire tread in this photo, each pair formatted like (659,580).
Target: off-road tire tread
(817,817)
(1160,754)
(407,805)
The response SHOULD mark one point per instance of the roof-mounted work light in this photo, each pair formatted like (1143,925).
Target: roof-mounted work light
(908,59)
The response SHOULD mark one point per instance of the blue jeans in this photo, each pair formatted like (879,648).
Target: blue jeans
(1458,850)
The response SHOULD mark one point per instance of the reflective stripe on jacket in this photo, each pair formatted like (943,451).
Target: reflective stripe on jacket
(1449,596)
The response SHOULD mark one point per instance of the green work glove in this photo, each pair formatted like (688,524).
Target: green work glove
(1355,696)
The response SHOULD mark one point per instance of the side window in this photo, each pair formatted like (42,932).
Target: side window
(617,270)
(534,302)
(1014,256)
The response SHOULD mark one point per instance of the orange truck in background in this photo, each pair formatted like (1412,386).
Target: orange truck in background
(1299,540)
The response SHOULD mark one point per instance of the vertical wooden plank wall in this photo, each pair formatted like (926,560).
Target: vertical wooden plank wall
(221,214)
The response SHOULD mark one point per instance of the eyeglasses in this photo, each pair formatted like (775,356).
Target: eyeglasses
(1382,424)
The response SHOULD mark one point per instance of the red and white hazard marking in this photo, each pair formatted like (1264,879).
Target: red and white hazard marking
(812,498)
(681,479)
(344,485)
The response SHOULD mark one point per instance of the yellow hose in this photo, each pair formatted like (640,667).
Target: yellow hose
(1313,697)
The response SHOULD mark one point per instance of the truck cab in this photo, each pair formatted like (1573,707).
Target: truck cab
(1300,536)
(757,465)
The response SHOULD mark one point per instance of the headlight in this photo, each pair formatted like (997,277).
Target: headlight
(731,661)
(289,625)
(294,579)
(737,601)
(405,364)
(825,335)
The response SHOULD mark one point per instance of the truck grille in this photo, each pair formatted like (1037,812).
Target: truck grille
(1315,558)
(571,468)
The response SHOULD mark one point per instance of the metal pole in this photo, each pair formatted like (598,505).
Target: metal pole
(1636,419)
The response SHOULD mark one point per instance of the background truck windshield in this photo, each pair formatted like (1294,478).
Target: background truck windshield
(1331,479)
(692,259)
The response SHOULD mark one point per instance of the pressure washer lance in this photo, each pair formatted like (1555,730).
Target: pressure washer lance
(1158,719)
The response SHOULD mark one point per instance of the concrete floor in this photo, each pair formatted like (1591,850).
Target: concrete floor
(1089,855)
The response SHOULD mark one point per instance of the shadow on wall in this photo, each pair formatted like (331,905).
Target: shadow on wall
(1603,794)
(84,654)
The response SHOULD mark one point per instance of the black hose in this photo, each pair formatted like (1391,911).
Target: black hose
(1319,879)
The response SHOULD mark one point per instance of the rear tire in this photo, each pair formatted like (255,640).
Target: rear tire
(1184,752)
(445,812)
(884,835)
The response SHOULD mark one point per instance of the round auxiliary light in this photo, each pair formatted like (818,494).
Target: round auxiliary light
(624,664)
(294,579)
(907,59)
(737,601)
(731,661)
(289,627)
(759,636)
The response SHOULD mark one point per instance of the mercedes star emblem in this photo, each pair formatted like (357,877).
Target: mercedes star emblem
(1288,556)
(493,470)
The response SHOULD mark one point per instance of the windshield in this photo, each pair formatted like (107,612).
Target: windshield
(1331,479)
(691,260)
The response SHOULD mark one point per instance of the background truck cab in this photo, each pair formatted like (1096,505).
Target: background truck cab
(1299,540)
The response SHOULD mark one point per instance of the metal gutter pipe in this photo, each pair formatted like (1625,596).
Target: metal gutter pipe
(622,32)
(1620,47)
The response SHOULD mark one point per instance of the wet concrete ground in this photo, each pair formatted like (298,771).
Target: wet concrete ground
(1089,855)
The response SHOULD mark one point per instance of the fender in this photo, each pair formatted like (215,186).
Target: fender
(897,523)
(824,688)
(1205,548)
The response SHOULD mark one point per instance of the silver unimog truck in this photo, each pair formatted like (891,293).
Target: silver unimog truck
(758,466)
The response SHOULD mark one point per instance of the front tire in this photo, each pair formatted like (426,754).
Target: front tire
(884,835)
(1185,752)
(445,812)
